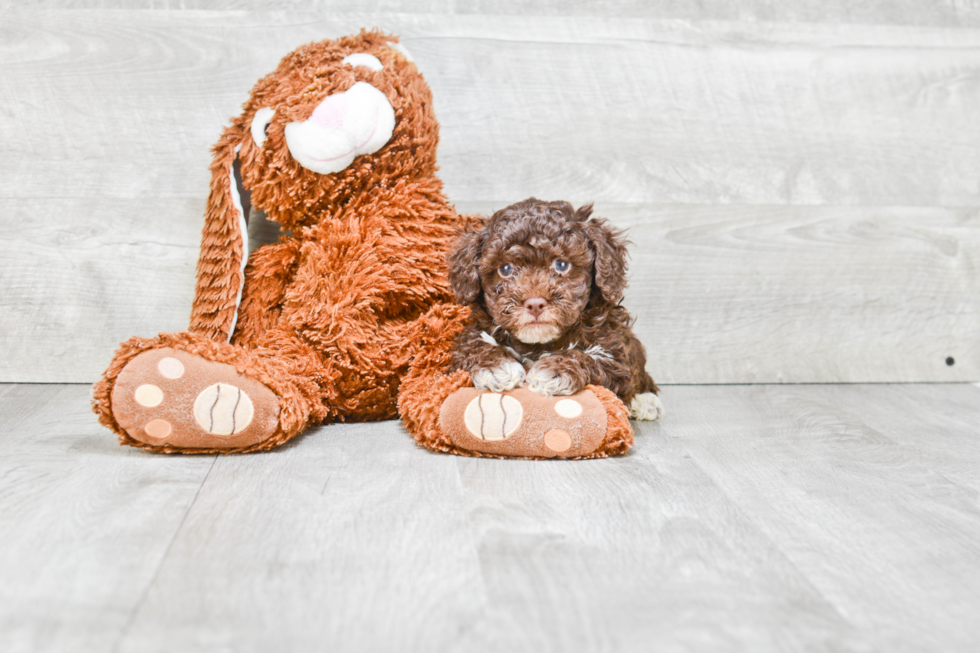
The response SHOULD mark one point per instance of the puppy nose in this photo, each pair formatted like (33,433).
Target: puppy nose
(535,305)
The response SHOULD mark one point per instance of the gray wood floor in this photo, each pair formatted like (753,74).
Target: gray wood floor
(752,518)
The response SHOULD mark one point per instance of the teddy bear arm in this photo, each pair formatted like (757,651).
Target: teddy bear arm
(267,275)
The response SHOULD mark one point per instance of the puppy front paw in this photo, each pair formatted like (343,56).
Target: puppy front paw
(506,376)
(646,407)
(554,378)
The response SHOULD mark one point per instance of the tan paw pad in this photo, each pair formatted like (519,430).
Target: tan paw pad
(158,428)
(557,440)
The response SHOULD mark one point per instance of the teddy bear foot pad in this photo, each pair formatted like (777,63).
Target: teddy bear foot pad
(524,424)
(167,397)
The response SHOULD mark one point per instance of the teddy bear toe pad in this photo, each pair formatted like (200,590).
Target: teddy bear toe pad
(169,397)
(522,423)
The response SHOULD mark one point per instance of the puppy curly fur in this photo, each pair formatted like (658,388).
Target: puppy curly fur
(544,282)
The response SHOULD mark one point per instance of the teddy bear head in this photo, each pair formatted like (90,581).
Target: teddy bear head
(335,119)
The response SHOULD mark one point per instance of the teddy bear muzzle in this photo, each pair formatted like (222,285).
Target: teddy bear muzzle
(344,125)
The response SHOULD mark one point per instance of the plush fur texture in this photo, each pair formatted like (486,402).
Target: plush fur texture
(330,315)
(352,307)
(544,284)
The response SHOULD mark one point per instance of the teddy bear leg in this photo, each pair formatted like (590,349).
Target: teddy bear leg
(186,393)
(519,423)
(444,412)
(171,398)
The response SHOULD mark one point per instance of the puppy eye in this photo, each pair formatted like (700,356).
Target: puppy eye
(561,267)
(506,270)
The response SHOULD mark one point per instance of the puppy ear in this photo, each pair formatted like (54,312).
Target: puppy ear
(464,261)
(609,250)
(583,212)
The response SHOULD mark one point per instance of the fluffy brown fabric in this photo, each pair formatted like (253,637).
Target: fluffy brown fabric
(422,396)
(351,301)
(544,283)
(329,314)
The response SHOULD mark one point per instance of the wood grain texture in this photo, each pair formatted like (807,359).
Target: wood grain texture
(949,441)
(762,518)
(353,539)
(660,111)
(751,294)
(110,114)
(720,294)
(878,529)
(85,523)
(635,554)
(107,269)
(893,12)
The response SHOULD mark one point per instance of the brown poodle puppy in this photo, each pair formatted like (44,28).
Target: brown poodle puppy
(544,283)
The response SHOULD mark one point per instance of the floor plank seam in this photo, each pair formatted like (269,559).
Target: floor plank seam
(166,554)
(472,530)
(833,607)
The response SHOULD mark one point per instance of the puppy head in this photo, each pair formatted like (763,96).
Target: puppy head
(536,266)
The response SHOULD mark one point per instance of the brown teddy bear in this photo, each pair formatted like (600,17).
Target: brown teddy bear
(337,145)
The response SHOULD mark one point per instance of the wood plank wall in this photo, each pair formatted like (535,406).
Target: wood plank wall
(801,179)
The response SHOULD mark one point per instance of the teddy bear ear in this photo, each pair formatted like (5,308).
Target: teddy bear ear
(464,263)
(224,243)
(608,246)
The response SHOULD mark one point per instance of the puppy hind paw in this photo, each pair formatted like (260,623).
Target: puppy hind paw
(506,376)
(543,382)
(646,407)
